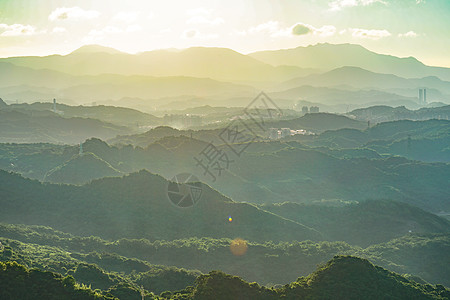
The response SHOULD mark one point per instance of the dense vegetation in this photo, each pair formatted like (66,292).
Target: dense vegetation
(350,165)
(48,127)
(362,223)
(386,113)
(137,206)
(17,282)
(265,262)
(334,206)
(343,277)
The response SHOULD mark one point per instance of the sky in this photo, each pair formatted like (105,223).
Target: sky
(418,28)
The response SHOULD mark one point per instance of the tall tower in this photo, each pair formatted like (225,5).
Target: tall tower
(424,96)
(54,105)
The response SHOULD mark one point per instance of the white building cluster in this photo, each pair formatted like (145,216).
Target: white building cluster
(275,133)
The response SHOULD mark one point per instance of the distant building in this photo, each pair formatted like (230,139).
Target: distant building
(423,96)
(54,108)
(275,133)
(314,109)
(305,109)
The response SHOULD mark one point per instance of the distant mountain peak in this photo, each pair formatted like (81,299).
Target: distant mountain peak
(95,49)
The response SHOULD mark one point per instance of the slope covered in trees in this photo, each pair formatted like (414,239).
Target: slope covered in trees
(17,282)
(81,168)
(137,206)
(343,277)
(364,223)
(347,164)
(268,263)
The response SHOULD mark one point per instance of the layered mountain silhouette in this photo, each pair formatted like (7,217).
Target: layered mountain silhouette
(343,277)
(80,169)
(47,126)
(329,56)
(363,223)
(356,77)
(137,206)
(26,81)
(216,63)
(223,75)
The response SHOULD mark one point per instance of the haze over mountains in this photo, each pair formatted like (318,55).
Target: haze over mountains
(320,187)
(328,56)
(220,75)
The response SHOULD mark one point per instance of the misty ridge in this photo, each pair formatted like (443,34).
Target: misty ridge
(316,172)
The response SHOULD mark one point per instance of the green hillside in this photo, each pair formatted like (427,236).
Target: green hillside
(364,223)
(17,282)
(80,169)
(137,206)
(48,127)
(419,140)
(267,262)
(343,277)
(343,166)
(387,113)
(111,114)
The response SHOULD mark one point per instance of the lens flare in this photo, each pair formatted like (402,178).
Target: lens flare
(230,219)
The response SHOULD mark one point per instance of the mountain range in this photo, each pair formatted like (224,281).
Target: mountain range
(341,74)
(329,56)
(138,206)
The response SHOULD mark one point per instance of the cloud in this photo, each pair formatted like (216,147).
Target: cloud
(16,30)
(195,34)
(72,13)
(340,4)
(374,34)
(127,17)
(104,31)
(205,20)
(199,11)
(411,34)
(59,30)
(203,15)
(133,28)
(271,27)
(96,35)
